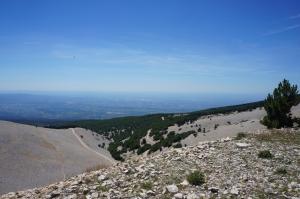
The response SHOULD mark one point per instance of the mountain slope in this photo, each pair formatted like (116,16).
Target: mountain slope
(32,156)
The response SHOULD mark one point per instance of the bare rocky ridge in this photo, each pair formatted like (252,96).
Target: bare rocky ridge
(32,157)
(232,169)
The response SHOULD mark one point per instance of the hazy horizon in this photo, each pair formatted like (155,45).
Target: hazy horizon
(45,108)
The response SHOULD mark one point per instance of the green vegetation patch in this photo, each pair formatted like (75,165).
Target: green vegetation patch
(101,188)
(281,171)
(266,154)
(178,145)
(196,178)
(240,136)
(147,185)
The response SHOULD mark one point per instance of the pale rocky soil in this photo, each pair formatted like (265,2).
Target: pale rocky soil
(231,169)
(228,125)
(31,157)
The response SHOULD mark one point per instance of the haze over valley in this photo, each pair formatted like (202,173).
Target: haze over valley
(48,108)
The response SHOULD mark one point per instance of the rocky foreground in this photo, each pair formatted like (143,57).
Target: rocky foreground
(232,168)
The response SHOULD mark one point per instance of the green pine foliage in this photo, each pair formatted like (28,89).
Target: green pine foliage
(278,105)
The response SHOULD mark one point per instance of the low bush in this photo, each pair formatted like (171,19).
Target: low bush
(266,154)
(216,126)
(147,185)
(144,141)
(178,145)
(101,188)
(240,136)
(281,171)
(196,178)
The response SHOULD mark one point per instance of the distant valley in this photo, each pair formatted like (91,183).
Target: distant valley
(49,108)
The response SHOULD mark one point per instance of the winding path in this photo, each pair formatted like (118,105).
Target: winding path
(90,149)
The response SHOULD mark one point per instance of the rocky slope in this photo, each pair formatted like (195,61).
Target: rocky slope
(232,169)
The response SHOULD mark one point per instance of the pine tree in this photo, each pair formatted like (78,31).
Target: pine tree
(279,104)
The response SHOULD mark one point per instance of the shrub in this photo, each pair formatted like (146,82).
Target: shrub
(266,154)
(146,185)
(178,145)
(216,126)
(240,136)
(281,171)
(279,104)
(101,188)
(143,149)
(196,178)
(157,136)
(195,134)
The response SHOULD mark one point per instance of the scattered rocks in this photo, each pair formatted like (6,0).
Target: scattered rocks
(172,188)
(234,191)
(243,145)
(178,196)
(102,178)
(184,183)
(193,196)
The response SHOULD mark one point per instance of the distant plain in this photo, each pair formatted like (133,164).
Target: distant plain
(47,108)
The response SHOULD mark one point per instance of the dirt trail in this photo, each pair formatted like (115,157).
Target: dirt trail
(90,149)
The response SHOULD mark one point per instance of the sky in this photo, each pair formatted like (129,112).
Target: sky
(176,46)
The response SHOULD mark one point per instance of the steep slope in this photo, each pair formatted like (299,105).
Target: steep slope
(230,168)
(32,156)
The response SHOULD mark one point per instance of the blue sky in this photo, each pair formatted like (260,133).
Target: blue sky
(149,46)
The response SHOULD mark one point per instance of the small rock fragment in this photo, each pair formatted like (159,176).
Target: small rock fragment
(172,188)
